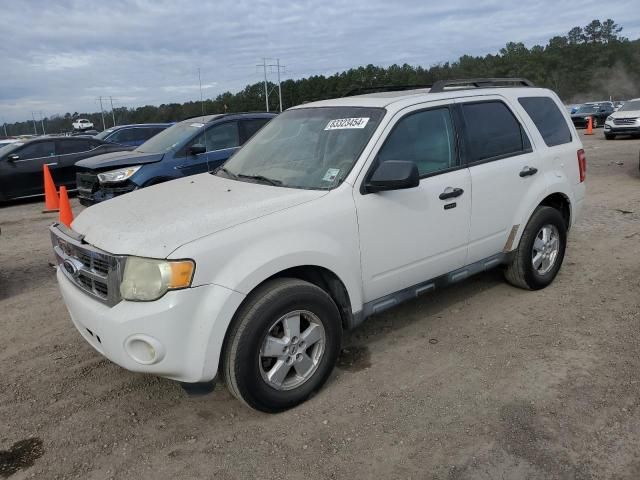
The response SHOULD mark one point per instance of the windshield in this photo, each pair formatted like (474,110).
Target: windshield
(587,109)
(629,106)
(312,148)
(171,137)
(8,148)
(104,134)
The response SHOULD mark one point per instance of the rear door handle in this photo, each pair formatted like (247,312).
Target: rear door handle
(528,171)
(451,193)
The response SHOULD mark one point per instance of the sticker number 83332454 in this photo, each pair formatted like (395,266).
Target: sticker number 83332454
(343,123)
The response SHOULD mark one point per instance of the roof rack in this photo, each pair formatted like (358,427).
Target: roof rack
(463,84)
(383,88)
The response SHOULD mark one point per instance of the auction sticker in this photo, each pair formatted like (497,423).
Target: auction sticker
(331,175)
(343,123)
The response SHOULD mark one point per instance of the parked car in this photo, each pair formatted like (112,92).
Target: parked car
(625,121)
(132,135)
(597,111)
(82,124)
(334,211)
(189,147)
(85,133)
(21,163)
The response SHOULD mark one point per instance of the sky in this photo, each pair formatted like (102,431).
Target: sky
(59,56)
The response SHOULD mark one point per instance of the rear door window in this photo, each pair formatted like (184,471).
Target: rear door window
(492,131)
(66,147)
(548,120)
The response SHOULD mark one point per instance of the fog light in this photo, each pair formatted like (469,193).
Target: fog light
(144,349)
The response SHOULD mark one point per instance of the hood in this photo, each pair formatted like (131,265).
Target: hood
(119,159)
(626,114)
(154,221)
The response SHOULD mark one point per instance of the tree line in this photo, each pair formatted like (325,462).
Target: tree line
(594,62)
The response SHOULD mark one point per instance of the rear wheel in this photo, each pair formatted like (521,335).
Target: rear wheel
(595,122)
(283,345)
(539,255)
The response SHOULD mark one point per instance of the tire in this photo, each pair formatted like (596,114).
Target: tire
(522,272)
(595,123)
(609,136)
(249,360)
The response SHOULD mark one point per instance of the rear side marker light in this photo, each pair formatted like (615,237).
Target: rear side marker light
(582,165)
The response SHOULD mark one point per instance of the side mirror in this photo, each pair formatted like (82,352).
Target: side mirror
(197,149)
(393,175)
(13,157)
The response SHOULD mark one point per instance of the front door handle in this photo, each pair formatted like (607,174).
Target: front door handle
(451,193)
(528,171)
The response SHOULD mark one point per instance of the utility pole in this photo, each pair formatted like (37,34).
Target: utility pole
(279,86)
(42,122)
(113,115)
(102,113)
(264,66)
(35,130)
(266,91)
(4,124)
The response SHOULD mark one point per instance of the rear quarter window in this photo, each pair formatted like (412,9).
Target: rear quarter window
(548,120)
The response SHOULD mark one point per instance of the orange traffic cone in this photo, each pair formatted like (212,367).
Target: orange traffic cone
(590,127)
(66,215)
(51,203)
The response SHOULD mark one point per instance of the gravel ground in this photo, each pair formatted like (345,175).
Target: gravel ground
(477,381)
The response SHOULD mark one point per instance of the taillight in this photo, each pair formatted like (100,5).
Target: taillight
(582,165)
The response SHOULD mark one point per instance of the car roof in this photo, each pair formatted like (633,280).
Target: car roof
(220,116)
(397,100)
(129,125)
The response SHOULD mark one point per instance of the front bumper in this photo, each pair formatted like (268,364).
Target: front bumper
(621,130)
(580,122)
(90,191)
(179,336)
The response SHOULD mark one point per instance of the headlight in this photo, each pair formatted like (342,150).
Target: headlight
(147,279)
(609,119)
(120,175)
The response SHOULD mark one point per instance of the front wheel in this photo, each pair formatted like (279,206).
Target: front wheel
(283,345)
(539,255)
(609,136)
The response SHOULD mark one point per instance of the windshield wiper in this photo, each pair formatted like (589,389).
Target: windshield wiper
(261,178)
(222,169)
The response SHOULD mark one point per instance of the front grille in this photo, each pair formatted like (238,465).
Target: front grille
(625,121)
(94,271)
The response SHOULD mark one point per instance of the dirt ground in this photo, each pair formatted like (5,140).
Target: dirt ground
(477,381)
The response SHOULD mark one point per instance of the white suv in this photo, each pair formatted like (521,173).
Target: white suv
(333,212)
(624,121)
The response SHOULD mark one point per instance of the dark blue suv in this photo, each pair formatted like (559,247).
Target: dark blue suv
(132,135)
(189,147)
